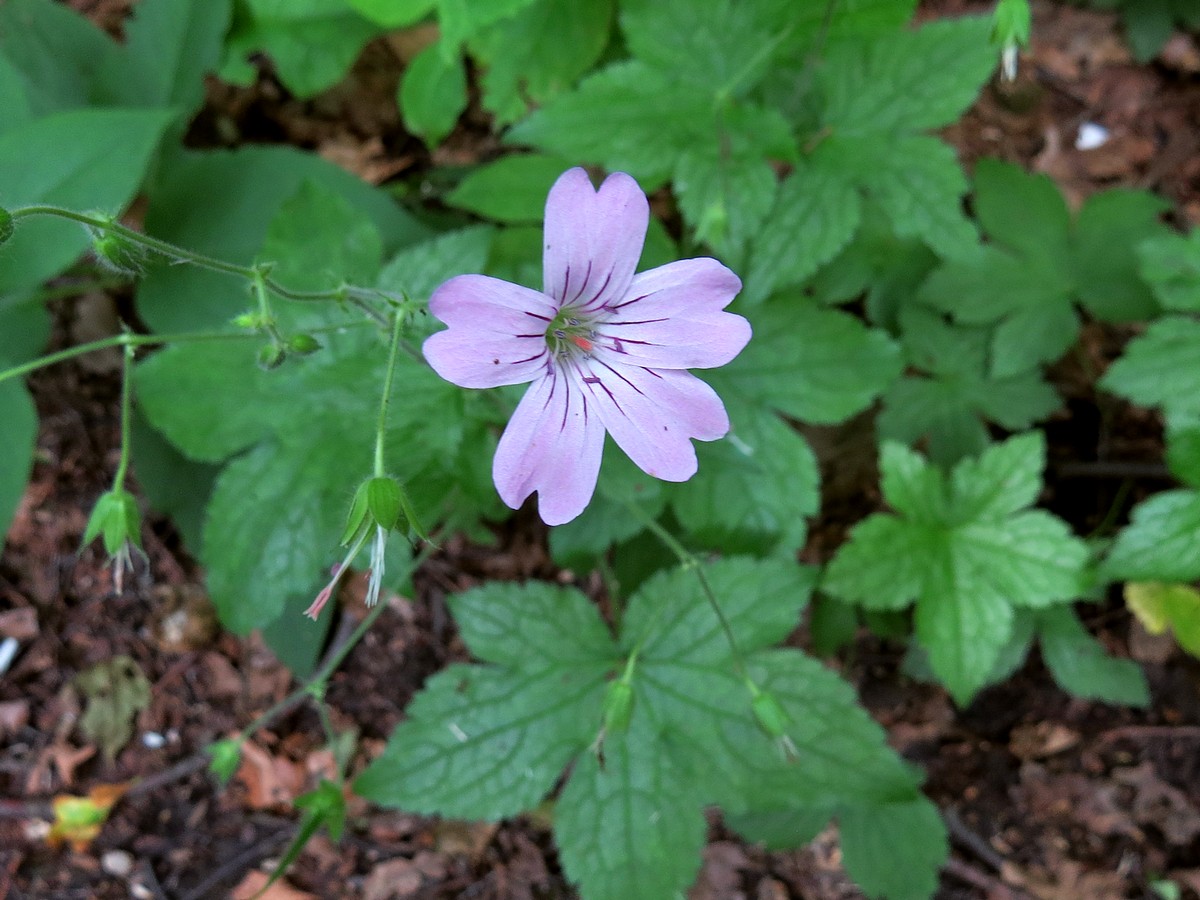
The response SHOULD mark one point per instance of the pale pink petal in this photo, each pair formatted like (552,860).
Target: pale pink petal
(552,445)
(593,239)
(673,318)
(496,335)
(654,414)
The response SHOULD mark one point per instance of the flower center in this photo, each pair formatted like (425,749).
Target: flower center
(569,335)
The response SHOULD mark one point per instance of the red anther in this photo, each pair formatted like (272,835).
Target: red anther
(582,343)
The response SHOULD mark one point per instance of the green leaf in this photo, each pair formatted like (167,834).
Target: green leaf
(1022,212)
(632,828)
(500,622)
(722,46)
(1159,543)
(481,742)
(967,571)
(726,189)
(433,94)
(169,46)
(511,189)
(607,520)
(277,511)
(669,618)
(917,182)
(460,19)
(948,405)
(84,159)
(20,435)
(394,13)
(908,80)
(1183,450)
(317,241)
(815,215)
(1080,664)
(753,489)
(312,42)
(1161,367)
(628,116)
(894,850)
(1170,264)
(811,364)
(13,97)
(222,204)
(415,272)
(565,38)
(1108,231)
(57,51)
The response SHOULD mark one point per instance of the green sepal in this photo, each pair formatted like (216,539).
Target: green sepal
(384,502)
(1011,23)
(116,519)
(271,356)
(119,253)
(769,714)
(6,225)
(618,706)
(226,757)
(357,517)
(303,344)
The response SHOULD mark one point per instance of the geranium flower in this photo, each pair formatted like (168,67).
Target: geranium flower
(603,348)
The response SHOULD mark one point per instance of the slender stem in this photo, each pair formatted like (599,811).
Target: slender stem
(126,416)
(166,249)
(355,296)
(689,561)
(332,661)
(145,340)
(389,376)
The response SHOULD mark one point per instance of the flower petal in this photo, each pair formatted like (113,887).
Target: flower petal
(672,318)
(654,414)
(496,335)
(552,445)
(593,239)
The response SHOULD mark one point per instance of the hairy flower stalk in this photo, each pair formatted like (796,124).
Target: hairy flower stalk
(604,350)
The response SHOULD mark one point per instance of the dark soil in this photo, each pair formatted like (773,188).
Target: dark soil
(1046,796)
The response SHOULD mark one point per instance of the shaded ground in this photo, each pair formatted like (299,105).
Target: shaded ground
(1046,796)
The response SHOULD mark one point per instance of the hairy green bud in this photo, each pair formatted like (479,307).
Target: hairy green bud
(119,253)
(116,519)
(303,344)
(271,356)
(770,715)
(383,502)
(6,225)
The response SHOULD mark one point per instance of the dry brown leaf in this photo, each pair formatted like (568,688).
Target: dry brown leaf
(271,781)
(1041,739)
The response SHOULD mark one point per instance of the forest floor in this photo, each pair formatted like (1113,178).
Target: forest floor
(1046,796)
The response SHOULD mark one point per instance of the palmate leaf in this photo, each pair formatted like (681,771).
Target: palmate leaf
(809,363)
(953,391)
(490,740)
(966,567)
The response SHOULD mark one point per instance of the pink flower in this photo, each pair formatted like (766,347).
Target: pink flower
(603,348)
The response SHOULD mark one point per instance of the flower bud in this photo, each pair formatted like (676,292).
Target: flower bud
(118,253)
(226,757)
(769,714)
(271,356)
(303,344)
(116,519)
(1011,24)
(618,706)
(6,225)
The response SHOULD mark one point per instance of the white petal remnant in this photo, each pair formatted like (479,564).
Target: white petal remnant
(604,350)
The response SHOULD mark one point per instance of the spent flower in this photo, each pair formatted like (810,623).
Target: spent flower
(118,522)
(604,349)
